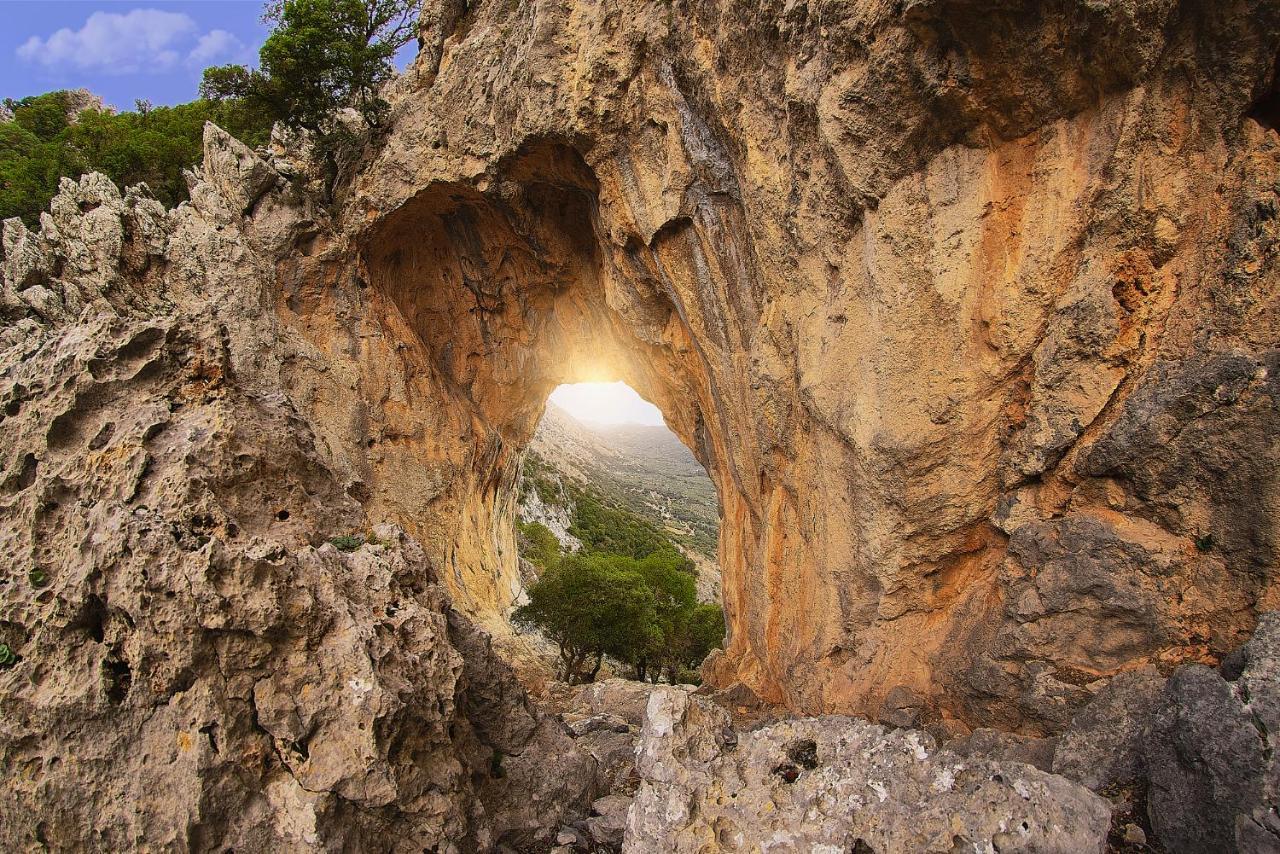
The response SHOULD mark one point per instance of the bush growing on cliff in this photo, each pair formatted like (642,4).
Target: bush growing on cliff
(612,530)
(538,544)
(322,56)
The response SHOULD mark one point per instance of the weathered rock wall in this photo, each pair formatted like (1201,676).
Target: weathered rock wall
(969,309)
(188,663)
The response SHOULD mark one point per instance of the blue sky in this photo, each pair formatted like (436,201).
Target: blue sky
(124,50)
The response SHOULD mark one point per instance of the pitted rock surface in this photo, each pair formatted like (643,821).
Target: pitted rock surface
(191,664)
(835,784)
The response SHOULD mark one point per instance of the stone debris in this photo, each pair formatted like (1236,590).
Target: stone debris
(1212,754)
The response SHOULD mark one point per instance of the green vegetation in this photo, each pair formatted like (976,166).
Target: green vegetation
(38,577)
(7,656)
(538,476)
(537,544)
(606,528)
(322,55)
(47,140)
(629,594)
(590,607)
(347,542)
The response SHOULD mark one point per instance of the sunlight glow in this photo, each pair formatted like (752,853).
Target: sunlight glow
(606,403)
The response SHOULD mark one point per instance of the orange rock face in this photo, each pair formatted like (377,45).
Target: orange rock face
(970,310)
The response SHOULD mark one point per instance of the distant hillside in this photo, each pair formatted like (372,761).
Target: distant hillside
(644,469)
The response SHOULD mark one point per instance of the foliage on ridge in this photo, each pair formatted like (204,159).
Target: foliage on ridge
(47,140)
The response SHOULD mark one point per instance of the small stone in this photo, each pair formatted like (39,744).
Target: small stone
(1134,835)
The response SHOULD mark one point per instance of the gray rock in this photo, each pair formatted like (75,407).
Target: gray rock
(1210,755)
(985,743)
(615,756)
(238,174)
(596,723)
(833,783)
(902,707)
(1202,428)
(609,823)
(622,697)
(1103,745)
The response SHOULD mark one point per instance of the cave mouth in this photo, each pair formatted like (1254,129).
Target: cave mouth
(612,439)
(606,403)
(496,292)
(615,515)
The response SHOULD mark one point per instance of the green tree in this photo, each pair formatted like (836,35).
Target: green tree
(321,56)
(590,606)
(674,591)
(537,544)
(703,632)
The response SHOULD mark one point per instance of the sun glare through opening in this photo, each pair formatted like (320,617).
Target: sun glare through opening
(606,403)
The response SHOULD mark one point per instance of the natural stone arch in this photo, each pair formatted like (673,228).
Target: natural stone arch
(508,293)
(909,284)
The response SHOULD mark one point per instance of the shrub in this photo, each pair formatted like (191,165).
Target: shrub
(347,542)
(537,544)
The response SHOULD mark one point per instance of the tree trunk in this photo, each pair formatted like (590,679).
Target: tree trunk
(596,669)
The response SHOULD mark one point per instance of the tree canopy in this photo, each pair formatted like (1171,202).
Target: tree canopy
(321,56)
(48,139)
(590,607)
(663,632)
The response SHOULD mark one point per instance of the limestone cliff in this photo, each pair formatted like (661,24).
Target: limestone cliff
(969,309)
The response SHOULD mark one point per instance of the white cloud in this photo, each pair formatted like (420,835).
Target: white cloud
(218,45)
(142,40)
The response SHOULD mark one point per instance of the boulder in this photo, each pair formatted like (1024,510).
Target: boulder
(1211,754)
(238,174)
(986,743)
(625,698)
(839,784)
(1103,745)
(902,707)
(609,823)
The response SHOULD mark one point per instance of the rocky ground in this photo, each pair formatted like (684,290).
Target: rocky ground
(1185,763)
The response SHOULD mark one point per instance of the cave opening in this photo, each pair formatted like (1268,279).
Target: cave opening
(491,295)
(617,529)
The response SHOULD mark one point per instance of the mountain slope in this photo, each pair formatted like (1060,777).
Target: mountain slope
(644,469)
